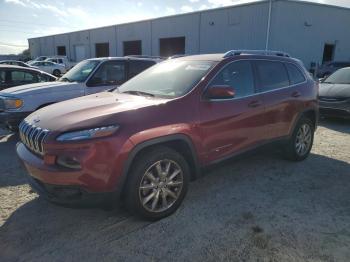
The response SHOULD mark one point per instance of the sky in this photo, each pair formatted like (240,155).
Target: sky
(23,19)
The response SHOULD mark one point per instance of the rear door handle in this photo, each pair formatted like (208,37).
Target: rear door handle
(296,94)
(254,103)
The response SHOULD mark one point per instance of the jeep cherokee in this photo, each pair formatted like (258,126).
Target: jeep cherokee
(145,141)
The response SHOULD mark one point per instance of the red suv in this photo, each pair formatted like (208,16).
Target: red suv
(144,142)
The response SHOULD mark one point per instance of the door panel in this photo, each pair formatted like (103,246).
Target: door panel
(231,125)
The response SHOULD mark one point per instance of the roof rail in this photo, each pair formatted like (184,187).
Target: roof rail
(145,56)
(255,52)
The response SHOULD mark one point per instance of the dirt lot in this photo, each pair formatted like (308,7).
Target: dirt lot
(256,208)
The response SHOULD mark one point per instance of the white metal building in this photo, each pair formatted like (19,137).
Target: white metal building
(309,31)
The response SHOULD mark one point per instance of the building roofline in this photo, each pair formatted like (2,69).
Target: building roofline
(197,12)
(314,3)
(159,18)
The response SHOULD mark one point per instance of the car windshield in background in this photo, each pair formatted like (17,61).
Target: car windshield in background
(170,79)
(342,76)
(80,72)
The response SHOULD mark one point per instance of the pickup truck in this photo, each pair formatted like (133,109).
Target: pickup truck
(87,77)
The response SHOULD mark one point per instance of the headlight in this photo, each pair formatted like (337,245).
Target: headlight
(88,133)
(13,103)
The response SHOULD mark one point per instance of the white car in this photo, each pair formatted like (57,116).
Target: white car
(49,67)
(62,60)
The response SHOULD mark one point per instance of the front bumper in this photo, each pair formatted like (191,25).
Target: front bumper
(335,109)
(68,195)
(98,180)
(11,120)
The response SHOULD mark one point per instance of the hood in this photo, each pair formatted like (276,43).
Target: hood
(37,88)
(334,90)
(89,111)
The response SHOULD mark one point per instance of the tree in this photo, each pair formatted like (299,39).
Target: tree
(25,55)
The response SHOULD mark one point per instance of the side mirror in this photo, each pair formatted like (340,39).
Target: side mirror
(221,92)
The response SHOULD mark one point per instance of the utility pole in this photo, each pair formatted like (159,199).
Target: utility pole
(268,27)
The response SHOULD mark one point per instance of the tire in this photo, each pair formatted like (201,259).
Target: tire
(164,174)
(56,72)
(299,145)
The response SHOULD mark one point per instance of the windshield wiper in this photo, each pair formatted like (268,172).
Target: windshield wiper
(138,93)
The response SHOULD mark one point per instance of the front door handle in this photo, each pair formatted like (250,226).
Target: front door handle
(296,94)
(254,103)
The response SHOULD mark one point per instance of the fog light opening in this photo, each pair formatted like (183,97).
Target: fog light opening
(68,162)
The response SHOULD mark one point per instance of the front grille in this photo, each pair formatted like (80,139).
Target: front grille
(33,137)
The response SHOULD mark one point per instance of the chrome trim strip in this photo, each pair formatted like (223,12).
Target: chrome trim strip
(33,137)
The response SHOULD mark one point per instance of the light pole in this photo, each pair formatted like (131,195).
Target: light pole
(268,27)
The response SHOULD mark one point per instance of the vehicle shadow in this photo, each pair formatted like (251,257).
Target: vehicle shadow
(336,124)
(297,207)
(12,172)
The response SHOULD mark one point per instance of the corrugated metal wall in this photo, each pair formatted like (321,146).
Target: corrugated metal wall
(135,31)
(234,28)
(299,28)
(302,29)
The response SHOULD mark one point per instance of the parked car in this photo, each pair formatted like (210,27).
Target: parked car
(13,62)
(61,60)
(145,141)
(334,94)
(38,59)
(330,67)
(88,77)
(11,76)
(50,67)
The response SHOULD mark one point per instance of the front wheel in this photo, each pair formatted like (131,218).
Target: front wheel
(299,145)
(56,72)
(157,183)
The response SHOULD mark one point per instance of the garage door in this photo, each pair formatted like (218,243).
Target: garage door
(79,53)
(172,46)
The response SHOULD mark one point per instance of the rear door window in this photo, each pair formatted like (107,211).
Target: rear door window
(21,77)
(272,75)
(238,75)
(137,66)
(295,75)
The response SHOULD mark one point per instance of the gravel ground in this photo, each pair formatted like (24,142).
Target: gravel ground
(254,208)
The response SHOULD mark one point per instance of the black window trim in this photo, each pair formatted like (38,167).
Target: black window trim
(128,66)
(258,90)
(284,87)
(289,76)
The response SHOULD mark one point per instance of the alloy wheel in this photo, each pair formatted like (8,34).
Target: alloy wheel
(303,139)
(161,185)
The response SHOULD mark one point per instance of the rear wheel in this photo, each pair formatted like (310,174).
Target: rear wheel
(299,145)
(157,184)
(56,72)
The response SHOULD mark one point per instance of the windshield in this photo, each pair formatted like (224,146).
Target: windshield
(342,76)
(172,78)
(80,72)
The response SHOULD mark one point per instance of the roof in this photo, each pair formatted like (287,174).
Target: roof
(220,57)
(17,61)
(248,3)
(21,68)
(207,57)
(121,58)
